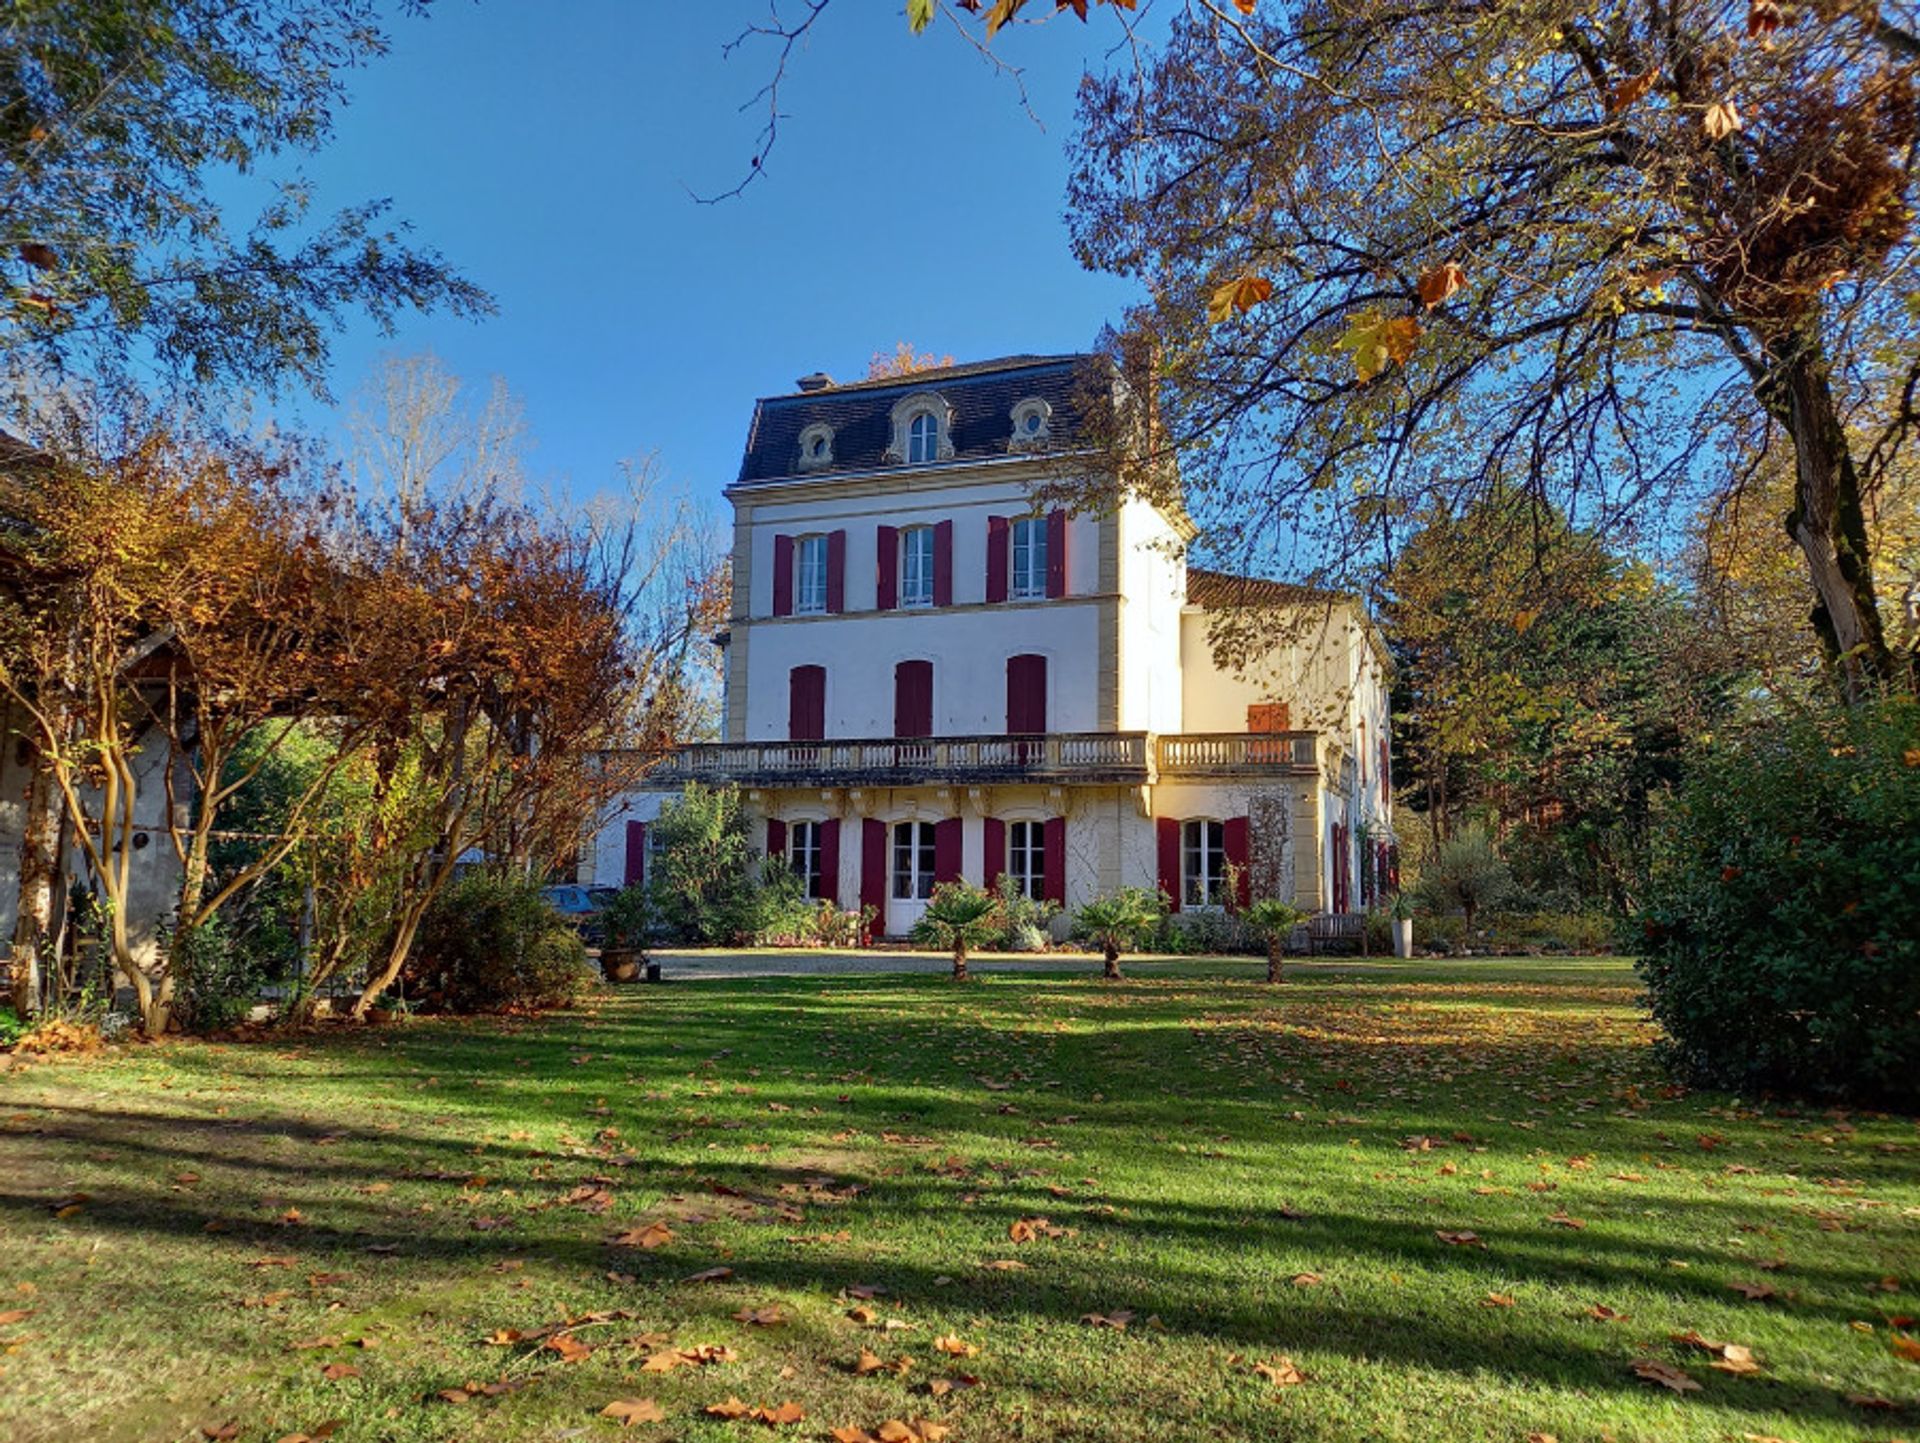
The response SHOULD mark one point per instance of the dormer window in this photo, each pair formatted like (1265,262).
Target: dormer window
(816,447)
(1032,421)
(922,430)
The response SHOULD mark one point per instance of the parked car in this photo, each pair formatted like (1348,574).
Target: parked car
(578,904)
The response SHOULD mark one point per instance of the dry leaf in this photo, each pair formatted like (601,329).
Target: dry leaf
(732,1408)
(653,1235)
(1237,297)
(334,1372)
(1498,1300)
(1281,1372)
(956,1346)
(1461,1239)
(1721,120)
(1665,1374)
(1440,283)
(629,1411)
(708,1275)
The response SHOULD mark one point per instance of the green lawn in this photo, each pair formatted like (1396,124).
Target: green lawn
(286,1234)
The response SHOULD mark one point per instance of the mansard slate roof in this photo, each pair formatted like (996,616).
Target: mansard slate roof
(981,394)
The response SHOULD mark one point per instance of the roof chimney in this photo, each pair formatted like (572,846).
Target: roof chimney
(818,381)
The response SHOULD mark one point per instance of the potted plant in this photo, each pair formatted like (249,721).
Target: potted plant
(1400,909)
(627,921)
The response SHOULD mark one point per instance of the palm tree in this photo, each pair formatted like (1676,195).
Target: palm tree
(1273,922)
(959,917)
(1114,923)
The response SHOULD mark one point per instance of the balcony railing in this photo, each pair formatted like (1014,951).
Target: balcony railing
(1085,757)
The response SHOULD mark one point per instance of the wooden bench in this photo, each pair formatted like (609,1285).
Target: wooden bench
(1337,929)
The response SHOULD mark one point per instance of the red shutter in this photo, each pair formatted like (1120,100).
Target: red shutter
(830,860)
(836,571)
(996,850)
(1056,860)
(1056,553)
(943,564)
(886,568)
(807,704)
(913,699)
(783,576)
(1240,855)
(1167,834)
(999,554)
(1026,695)
(946,850)
(1342,870)
(776,837)
(873,870)
(636,865)
(1386,769)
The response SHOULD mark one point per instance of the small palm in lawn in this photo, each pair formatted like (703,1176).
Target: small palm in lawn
(1115,923)
(959,917)
(1273,922)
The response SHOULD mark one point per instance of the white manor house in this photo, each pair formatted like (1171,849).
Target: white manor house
(927,678)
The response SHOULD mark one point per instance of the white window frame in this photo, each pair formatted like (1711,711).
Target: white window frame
(911,872)
(810,575)
(1203,864)
(1027,540)
(1027,858)
(916,566)
(803,855)
(923,438)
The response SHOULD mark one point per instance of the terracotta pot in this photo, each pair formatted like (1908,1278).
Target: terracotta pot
(621,964)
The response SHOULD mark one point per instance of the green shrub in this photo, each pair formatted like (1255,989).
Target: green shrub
(12,1028)
(1023,919)
(216,982)
(1781,944)
(491,943)
(1467,874)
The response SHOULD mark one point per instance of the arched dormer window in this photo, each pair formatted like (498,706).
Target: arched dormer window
(922,430)
(1032,423)
(816,447)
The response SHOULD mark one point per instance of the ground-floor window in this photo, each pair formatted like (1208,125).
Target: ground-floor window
(1203,864)
(803,855)
(1027,858)
(913,860)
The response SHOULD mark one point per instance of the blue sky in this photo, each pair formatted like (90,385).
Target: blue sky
(548,150)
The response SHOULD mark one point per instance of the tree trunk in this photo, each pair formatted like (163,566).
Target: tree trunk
(396,959)
(1273,959)
(960,962)
(39,867)
(1111,970)
(1828,523)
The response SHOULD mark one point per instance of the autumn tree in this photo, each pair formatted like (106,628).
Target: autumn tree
(903,361)
(1550,689)
(113,542)
(115,117)
(1593,253)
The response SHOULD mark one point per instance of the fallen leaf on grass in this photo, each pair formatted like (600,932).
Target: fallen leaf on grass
(1307,1280)
(769,1317)
(1606,1314)
(1665,1374)
(1117,1320)
(629,1411)
(1005,1265)
(704,1356)
(870,1362)
(780,1414)
(956,1346)
(1755,1292)
(1560,1219)
(1905,1347)
(1872,1402)
(1727,1357)
(1460,1239)
(220,1432)
(653,1235)
(940,1387)
(15,1315)
(570,1348)
(334,1372)
(1281,1372)
(325,1340)
(863,1315)
(708,1275)
(1498,1300)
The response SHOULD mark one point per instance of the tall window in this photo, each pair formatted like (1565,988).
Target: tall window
(810,574)
(913,860)
(1203,864)
(803,855)
(916,566)
(1027,858)
(1030,556)
(923,438)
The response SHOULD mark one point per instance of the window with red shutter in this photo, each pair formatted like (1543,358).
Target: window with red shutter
(999,549)
(636,866)
(913,699)
(1056,553)
(783,576)
(886,568)
(836,571)
(1167,836)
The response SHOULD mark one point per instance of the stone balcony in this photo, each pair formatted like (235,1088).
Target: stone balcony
(1055,758)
